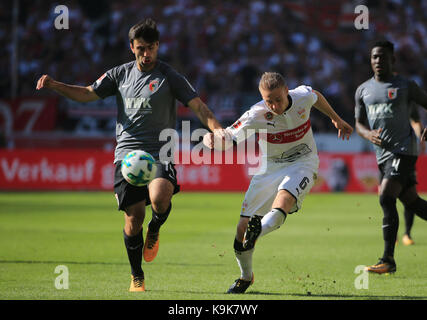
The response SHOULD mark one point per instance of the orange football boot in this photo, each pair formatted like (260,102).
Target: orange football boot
(151,246)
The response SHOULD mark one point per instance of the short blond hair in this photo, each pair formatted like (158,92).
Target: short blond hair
(271,80)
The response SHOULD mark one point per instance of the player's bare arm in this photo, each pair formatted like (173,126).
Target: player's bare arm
(344,129)
(418,128)
(420,97)
(73,92)
(368,134)
(208,119)
(204,114)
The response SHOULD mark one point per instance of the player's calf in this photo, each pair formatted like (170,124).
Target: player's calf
(390,223)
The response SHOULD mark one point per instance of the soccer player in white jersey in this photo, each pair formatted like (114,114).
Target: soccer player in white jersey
(290,157)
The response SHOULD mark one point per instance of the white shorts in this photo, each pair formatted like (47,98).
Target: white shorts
(297,178)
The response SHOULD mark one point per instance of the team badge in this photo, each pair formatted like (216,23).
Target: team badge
(392,93)
(244,206)
(301,113)
(268,116)
(153,86)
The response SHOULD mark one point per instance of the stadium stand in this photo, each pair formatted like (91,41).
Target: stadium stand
(222,47)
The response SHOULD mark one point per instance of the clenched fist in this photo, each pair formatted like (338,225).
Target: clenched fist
(44,82)
(219,140)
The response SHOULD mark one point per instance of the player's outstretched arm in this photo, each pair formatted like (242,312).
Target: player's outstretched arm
(220,140)
(215,139)
(73,92)
(204,114)
(344,129)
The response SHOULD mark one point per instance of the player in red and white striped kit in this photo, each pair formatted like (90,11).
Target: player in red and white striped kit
(289,160)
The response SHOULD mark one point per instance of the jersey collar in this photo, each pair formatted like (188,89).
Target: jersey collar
(289,106)
(146,72)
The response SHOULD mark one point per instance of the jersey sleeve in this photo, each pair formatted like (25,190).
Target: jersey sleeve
(417,94)
(182,90)
(359,109)
(106,84)
(311,94)
(414,114)
(238,130)
(306,92)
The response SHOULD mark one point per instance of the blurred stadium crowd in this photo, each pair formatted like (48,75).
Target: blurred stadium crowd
(221,46)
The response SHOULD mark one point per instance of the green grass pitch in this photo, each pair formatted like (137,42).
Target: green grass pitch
(312,256)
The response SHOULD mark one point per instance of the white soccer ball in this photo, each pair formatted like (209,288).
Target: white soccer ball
(138,168)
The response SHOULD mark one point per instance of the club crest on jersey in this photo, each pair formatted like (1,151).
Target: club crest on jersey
(244,206)
(153,85)
(301,113)
(268,116)
(392,93)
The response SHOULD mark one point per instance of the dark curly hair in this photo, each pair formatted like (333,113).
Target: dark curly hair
(146,29)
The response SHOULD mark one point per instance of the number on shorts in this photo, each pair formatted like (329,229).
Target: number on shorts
(395,164)
(304,182)
(170,170)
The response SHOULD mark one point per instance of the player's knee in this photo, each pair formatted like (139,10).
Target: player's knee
(387,201)
(284,200)
(135,212)
(160,204)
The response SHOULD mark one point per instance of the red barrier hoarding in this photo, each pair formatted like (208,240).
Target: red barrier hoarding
(52,169)
(84,169)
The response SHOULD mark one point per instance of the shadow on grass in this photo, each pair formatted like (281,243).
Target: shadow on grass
(62,262)
(292,296)
(349,296)
(106,263)
(194,264)
(265,293)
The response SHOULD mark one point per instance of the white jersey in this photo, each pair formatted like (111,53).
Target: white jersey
(288,150)
(289,135)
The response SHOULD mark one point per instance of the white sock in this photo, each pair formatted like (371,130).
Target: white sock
(244,260)
(272,221)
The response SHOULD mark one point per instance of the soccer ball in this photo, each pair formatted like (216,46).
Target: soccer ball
(138,168)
